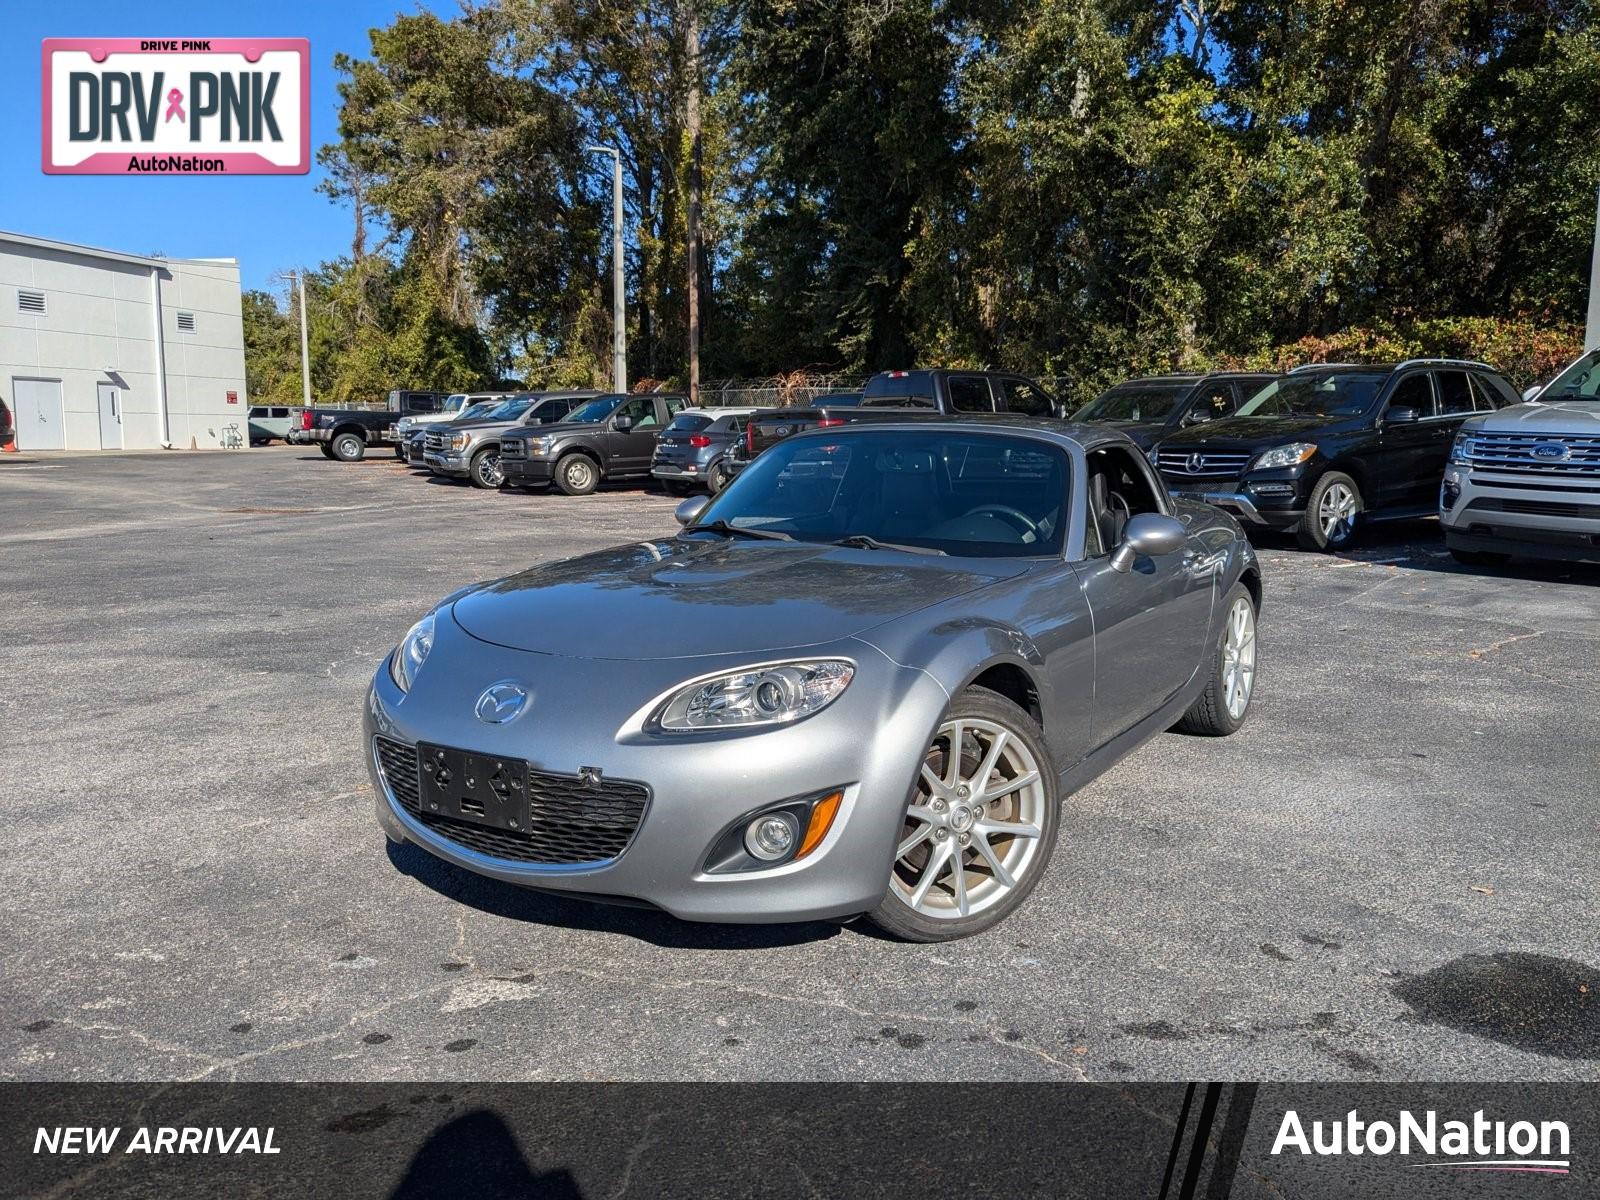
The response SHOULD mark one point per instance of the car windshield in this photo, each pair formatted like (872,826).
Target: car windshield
(1135,402)
(509,410)
(1580,381)
(970,494)
(1316,394)
(593,412)
(481,409)
(688,423)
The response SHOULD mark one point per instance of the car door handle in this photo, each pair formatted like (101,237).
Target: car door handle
(1202,566)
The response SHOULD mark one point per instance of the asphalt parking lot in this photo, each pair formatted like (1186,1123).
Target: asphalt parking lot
(1388,874)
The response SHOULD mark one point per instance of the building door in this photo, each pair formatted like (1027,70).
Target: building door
(38,415)
(110,417)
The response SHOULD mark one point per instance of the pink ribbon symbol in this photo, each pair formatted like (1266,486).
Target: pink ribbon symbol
(174,106)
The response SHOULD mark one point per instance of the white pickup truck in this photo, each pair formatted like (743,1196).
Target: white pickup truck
(452,408)
(1525,480)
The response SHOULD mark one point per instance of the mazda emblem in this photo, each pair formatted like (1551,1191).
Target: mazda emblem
(501,703)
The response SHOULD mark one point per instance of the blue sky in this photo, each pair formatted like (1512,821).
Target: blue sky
(267,222)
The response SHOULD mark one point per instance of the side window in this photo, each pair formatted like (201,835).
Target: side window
(1455,393)
(258,413)
(1212,403)
(1493,392)
(1119,488)
(641,411)
(1022,397)
(1414,391)
(549,413)
(675,405)
(280,412)
(970,393)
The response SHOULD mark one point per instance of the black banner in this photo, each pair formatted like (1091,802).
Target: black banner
(1165,1141)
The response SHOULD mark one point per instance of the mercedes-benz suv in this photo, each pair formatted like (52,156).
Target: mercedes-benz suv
(1526,479)
(1330,446)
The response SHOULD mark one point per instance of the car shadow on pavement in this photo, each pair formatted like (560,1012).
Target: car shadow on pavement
(645,923)
(1418,545)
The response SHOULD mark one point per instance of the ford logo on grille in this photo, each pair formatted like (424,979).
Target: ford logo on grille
(1194,464)
(1550,451)
(782,431)
(501,703)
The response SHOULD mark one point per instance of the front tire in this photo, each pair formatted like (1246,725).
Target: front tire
(349,447)
(980,826)
(1332,512)
(484,471)
(716,478)
(577,475)
(1225,703)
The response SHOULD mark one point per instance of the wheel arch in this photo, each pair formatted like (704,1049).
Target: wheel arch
(345,427)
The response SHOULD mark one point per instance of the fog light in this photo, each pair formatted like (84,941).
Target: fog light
(772,836)
(1449,493)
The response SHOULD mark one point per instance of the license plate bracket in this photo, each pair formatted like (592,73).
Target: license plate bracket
(485,789)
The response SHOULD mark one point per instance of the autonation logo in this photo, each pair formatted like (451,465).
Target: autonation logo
(1477,1145)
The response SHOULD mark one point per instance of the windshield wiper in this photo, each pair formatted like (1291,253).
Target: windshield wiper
(863,541)
(722,527)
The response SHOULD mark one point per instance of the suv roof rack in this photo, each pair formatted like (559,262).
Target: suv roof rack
(1454,362)
(1318,366)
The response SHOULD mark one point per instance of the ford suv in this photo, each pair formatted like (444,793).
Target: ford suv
(1526,479)
(1330,446)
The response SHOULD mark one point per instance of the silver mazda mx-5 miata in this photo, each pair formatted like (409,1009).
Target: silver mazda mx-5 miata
(859,681)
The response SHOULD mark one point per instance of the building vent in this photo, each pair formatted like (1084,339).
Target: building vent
(30,302)
(185,322)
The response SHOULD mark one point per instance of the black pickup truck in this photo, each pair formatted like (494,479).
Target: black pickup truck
(896,395)
(347,433)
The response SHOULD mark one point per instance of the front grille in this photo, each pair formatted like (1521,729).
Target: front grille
(513,448)
(1536,508)
(436,441)
(1559,455)
(1201,464)
(570,822)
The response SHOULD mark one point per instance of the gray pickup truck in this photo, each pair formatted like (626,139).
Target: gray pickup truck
(470,450)
(1525,480)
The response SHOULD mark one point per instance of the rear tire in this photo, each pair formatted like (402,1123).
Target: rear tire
(1225,703)
(1010,829)
(1479,558)
(327,450)
(716,478)
(349,447)
(1333,512)
(577,475)
(676,488)
(400,453)
(484,471)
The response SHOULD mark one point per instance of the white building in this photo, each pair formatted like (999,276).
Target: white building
(107,351)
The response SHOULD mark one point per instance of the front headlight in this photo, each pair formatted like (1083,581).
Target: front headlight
(538,445)
(770,695)
(408,656)
(1461,450)
(1291,455)
(458,441)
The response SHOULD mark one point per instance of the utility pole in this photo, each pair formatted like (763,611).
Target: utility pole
(619,311)
(1591,335)
(305,353)
(691,48)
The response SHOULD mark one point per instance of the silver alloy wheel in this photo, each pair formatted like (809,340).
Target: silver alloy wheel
(1239,658)
(974,829)
(491,472)
(1336,512)
(579,473)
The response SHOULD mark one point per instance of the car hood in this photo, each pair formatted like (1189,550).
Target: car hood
(1144,433)
(1559,416)
(686,597)
(1251,433)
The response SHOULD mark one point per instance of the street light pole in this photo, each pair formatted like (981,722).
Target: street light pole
(305,354)
(1591,333)
(619,312)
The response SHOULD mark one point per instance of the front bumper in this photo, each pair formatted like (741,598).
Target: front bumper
(1253,507)
(585,713)
(446,462)
(525,472)
(1504,513)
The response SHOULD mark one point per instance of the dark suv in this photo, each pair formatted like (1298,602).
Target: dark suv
(1154,406)
(610,437)
(1330,445)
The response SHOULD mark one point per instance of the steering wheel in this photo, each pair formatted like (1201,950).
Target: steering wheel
(1029,525)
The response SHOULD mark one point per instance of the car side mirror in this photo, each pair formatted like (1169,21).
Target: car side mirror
(622,424)
(1532,393)
(688,511)
(1148,535)
(1401,416)
(1198,417)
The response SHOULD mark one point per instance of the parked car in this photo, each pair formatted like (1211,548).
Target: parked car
(413,440)
(470,450)
(1329,446)
(894,395)
(610,437)
(693,450)
(8,425)
(347,433)
(1151,407)
(822,411)
(860,680)
(267,422)
(452,408)
(1525,479)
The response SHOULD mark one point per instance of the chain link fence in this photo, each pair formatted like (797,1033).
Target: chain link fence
(801,388)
